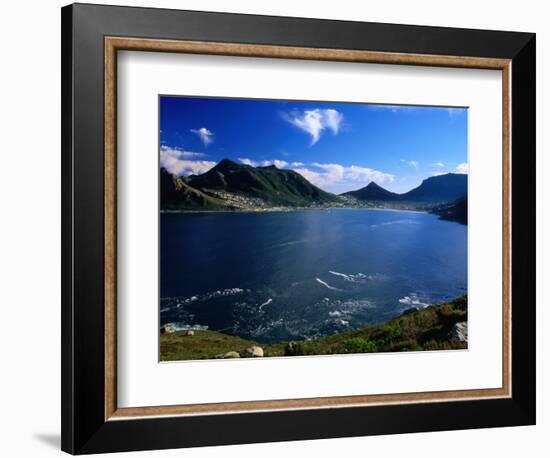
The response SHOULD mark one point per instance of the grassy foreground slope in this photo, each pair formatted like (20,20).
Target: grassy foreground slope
(425,329)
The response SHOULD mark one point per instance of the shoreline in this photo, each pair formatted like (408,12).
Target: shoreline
(291,210)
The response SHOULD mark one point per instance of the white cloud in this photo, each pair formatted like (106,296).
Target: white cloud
(339,178)
(205,135)
(462,168)
(276,162)
(438,164)
(315,121)
(279,164)
(177,161)
(332,177)
(436,174)
(246,161)
(413,164)
(179,152)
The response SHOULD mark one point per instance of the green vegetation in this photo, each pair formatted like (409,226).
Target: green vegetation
(202,345)
(415,330)
(176,194)
(232,186)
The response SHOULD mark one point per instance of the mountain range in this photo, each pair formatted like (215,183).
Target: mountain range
(233,186)
(437,189)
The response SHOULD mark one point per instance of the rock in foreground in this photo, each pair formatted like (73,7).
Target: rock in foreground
(167,330)
(228,355)
(460,331)
(254,352)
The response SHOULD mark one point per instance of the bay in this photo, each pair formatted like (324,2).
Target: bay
(278,276)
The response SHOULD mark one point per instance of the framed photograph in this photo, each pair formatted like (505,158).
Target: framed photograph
(281,228)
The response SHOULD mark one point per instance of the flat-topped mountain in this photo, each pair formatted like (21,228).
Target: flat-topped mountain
(440,188)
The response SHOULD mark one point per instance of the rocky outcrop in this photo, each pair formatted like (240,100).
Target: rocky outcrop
(460,331)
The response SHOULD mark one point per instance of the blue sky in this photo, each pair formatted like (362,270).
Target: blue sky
(337,146)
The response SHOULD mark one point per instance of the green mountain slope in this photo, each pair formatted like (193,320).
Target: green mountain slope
(176,194)
(272,185)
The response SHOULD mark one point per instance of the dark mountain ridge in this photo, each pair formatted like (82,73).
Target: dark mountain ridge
(373,192)
(433,190)
(439,188)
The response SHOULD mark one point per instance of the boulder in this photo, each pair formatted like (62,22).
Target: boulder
(229,354)
(254,352)
(167,330)
(460,331)
(189,332)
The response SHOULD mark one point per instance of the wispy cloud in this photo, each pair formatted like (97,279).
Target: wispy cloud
(205,135)
(438,164)
(180,153)
(462,168)
(313,122)
(413,164)
(297,164)
(340,178)
(180,162)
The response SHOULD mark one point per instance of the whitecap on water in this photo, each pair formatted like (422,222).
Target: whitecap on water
(326,284)
(398,221)
(355,278)
(269,301)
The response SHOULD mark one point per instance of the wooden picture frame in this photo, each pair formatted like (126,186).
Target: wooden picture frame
(91,419)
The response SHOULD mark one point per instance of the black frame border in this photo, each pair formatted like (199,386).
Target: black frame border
(84,429)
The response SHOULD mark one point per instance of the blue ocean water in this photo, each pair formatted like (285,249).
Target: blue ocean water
(292,275)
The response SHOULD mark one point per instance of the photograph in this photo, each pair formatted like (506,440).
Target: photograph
(301,228)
